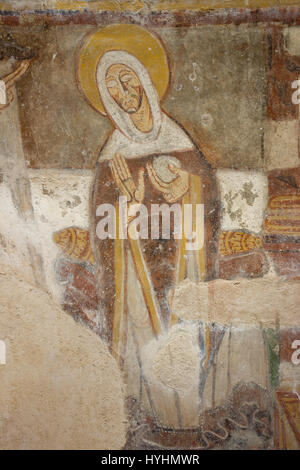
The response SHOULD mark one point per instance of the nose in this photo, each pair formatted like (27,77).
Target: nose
(123,87)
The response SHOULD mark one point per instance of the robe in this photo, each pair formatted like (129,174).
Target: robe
(137,278)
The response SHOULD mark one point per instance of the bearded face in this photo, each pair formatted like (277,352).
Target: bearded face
(124,87)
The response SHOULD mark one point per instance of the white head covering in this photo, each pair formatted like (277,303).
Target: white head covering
(122,119)
(165,136)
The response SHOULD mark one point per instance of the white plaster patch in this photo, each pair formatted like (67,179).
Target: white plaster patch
(239,302)
(15,234)
(173,359)
(189,302)
(60,199)
(243,199)
(281,144)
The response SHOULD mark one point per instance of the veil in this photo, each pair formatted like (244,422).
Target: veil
(165,135)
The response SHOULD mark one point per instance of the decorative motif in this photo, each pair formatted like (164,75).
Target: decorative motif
(285,202)
(237,242)
(75,243)
(287,224)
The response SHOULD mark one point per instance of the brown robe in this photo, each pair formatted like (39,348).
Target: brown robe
(161,255)
(169,409)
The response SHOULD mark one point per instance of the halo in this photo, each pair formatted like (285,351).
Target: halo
(133,39)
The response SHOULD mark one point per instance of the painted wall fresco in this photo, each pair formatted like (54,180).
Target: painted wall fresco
(157,113)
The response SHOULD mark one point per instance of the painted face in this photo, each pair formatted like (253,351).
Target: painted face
(125,87)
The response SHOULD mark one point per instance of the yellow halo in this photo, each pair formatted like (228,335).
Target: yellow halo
(135,40)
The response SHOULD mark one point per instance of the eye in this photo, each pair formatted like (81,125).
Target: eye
(111,83)
(126,78)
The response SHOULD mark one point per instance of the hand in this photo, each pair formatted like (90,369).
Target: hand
(174,190)
(124,181)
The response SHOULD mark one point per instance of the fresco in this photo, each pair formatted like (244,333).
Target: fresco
(158,168)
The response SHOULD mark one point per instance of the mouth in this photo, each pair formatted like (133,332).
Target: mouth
(131,110)
(130,106)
